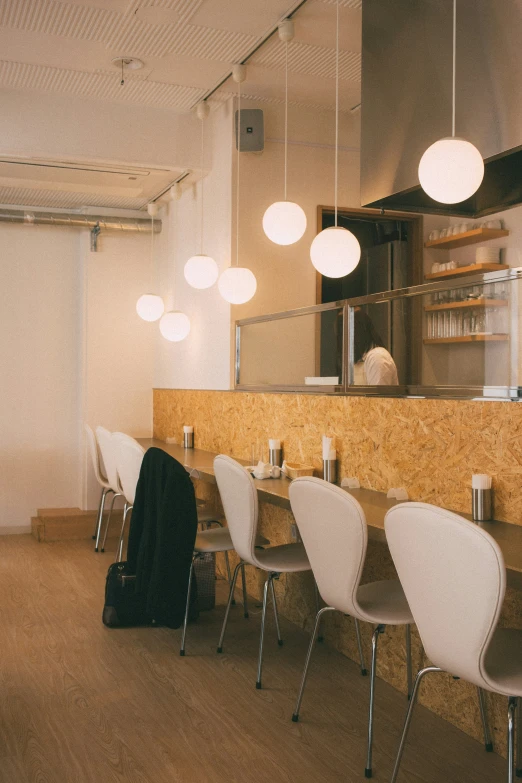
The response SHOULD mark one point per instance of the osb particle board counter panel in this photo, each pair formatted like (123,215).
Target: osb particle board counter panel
(430,447)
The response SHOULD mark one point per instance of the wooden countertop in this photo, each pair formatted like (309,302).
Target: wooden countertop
(375,504)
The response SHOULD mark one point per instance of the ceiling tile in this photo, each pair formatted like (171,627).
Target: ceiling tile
(183,69)
(314,60)
(58,19)
(250,17)
(98,85)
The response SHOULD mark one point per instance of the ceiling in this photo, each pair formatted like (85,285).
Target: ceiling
(187,48)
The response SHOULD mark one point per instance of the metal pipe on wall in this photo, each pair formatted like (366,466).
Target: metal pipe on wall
(96,223)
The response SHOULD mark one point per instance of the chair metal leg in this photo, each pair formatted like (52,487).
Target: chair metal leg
(375,638)
(484,718)
(276,614)
(512,706)
(119,552)
(262,634)
(245,597)
(99,518)
(187,607)
(295,716)
(518,735)
(229,604)
(229,575)
(97,522)
(362,664)
(320,637)
(409,677)
(115,495)
(420,675)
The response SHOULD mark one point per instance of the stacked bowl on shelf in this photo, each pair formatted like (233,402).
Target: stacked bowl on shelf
(487,255)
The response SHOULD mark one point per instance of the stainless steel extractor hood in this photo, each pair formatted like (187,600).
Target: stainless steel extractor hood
(406,98)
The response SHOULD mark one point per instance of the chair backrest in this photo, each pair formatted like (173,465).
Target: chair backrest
(334,533)
(129,456)
(95,455)
(454,578)
(239,498)
(106,446)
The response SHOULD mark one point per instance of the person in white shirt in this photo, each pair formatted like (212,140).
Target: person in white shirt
(373,364)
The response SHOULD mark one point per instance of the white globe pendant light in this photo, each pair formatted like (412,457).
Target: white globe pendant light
(452,169)
(237,284)
(284,222)
(201,271)
(174,326)
(150,307)
(335,251)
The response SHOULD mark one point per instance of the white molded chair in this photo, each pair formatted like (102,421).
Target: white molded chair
(239,498)
(106,445)
(454,578)
(100,478)
(129,456)
(333,528)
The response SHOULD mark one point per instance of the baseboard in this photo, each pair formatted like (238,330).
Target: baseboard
(69,524)
(14,530)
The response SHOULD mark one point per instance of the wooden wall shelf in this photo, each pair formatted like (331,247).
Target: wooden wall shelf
(462,271)
(467,303)
(468,338)
(467,238)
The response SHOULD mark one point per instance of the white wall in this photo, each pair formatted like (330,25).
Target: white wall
(40,320)
(202,360)
(117,346)
(285,275)
(72,349)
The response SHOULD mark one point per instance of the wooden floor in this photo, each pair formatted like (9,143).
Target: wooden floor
(83,704)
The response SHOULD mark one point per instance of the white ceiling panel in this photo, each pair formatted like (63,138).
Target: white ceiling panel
(36,48)
(313,60)
(98,85)
(184,69)
(57,19)
(250,17)
(107,5)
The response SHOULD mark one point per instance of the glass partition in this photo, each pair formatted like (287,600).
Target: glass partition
(303,348)
(459,338)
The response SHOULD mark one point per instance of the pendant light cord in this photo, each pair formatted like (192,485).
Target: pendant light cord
(152,241)
(336,108)
(454,67)
(286,112)
(237,175)
(202,187)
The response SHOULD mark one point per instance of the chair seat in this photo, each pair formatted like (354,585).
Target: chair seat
(384,603)
(218,540)
(204,517)
(288,557)
(503,661)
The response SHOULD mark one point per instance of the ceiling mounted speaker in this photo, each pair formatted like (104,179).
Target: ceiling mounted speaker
(251,130)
